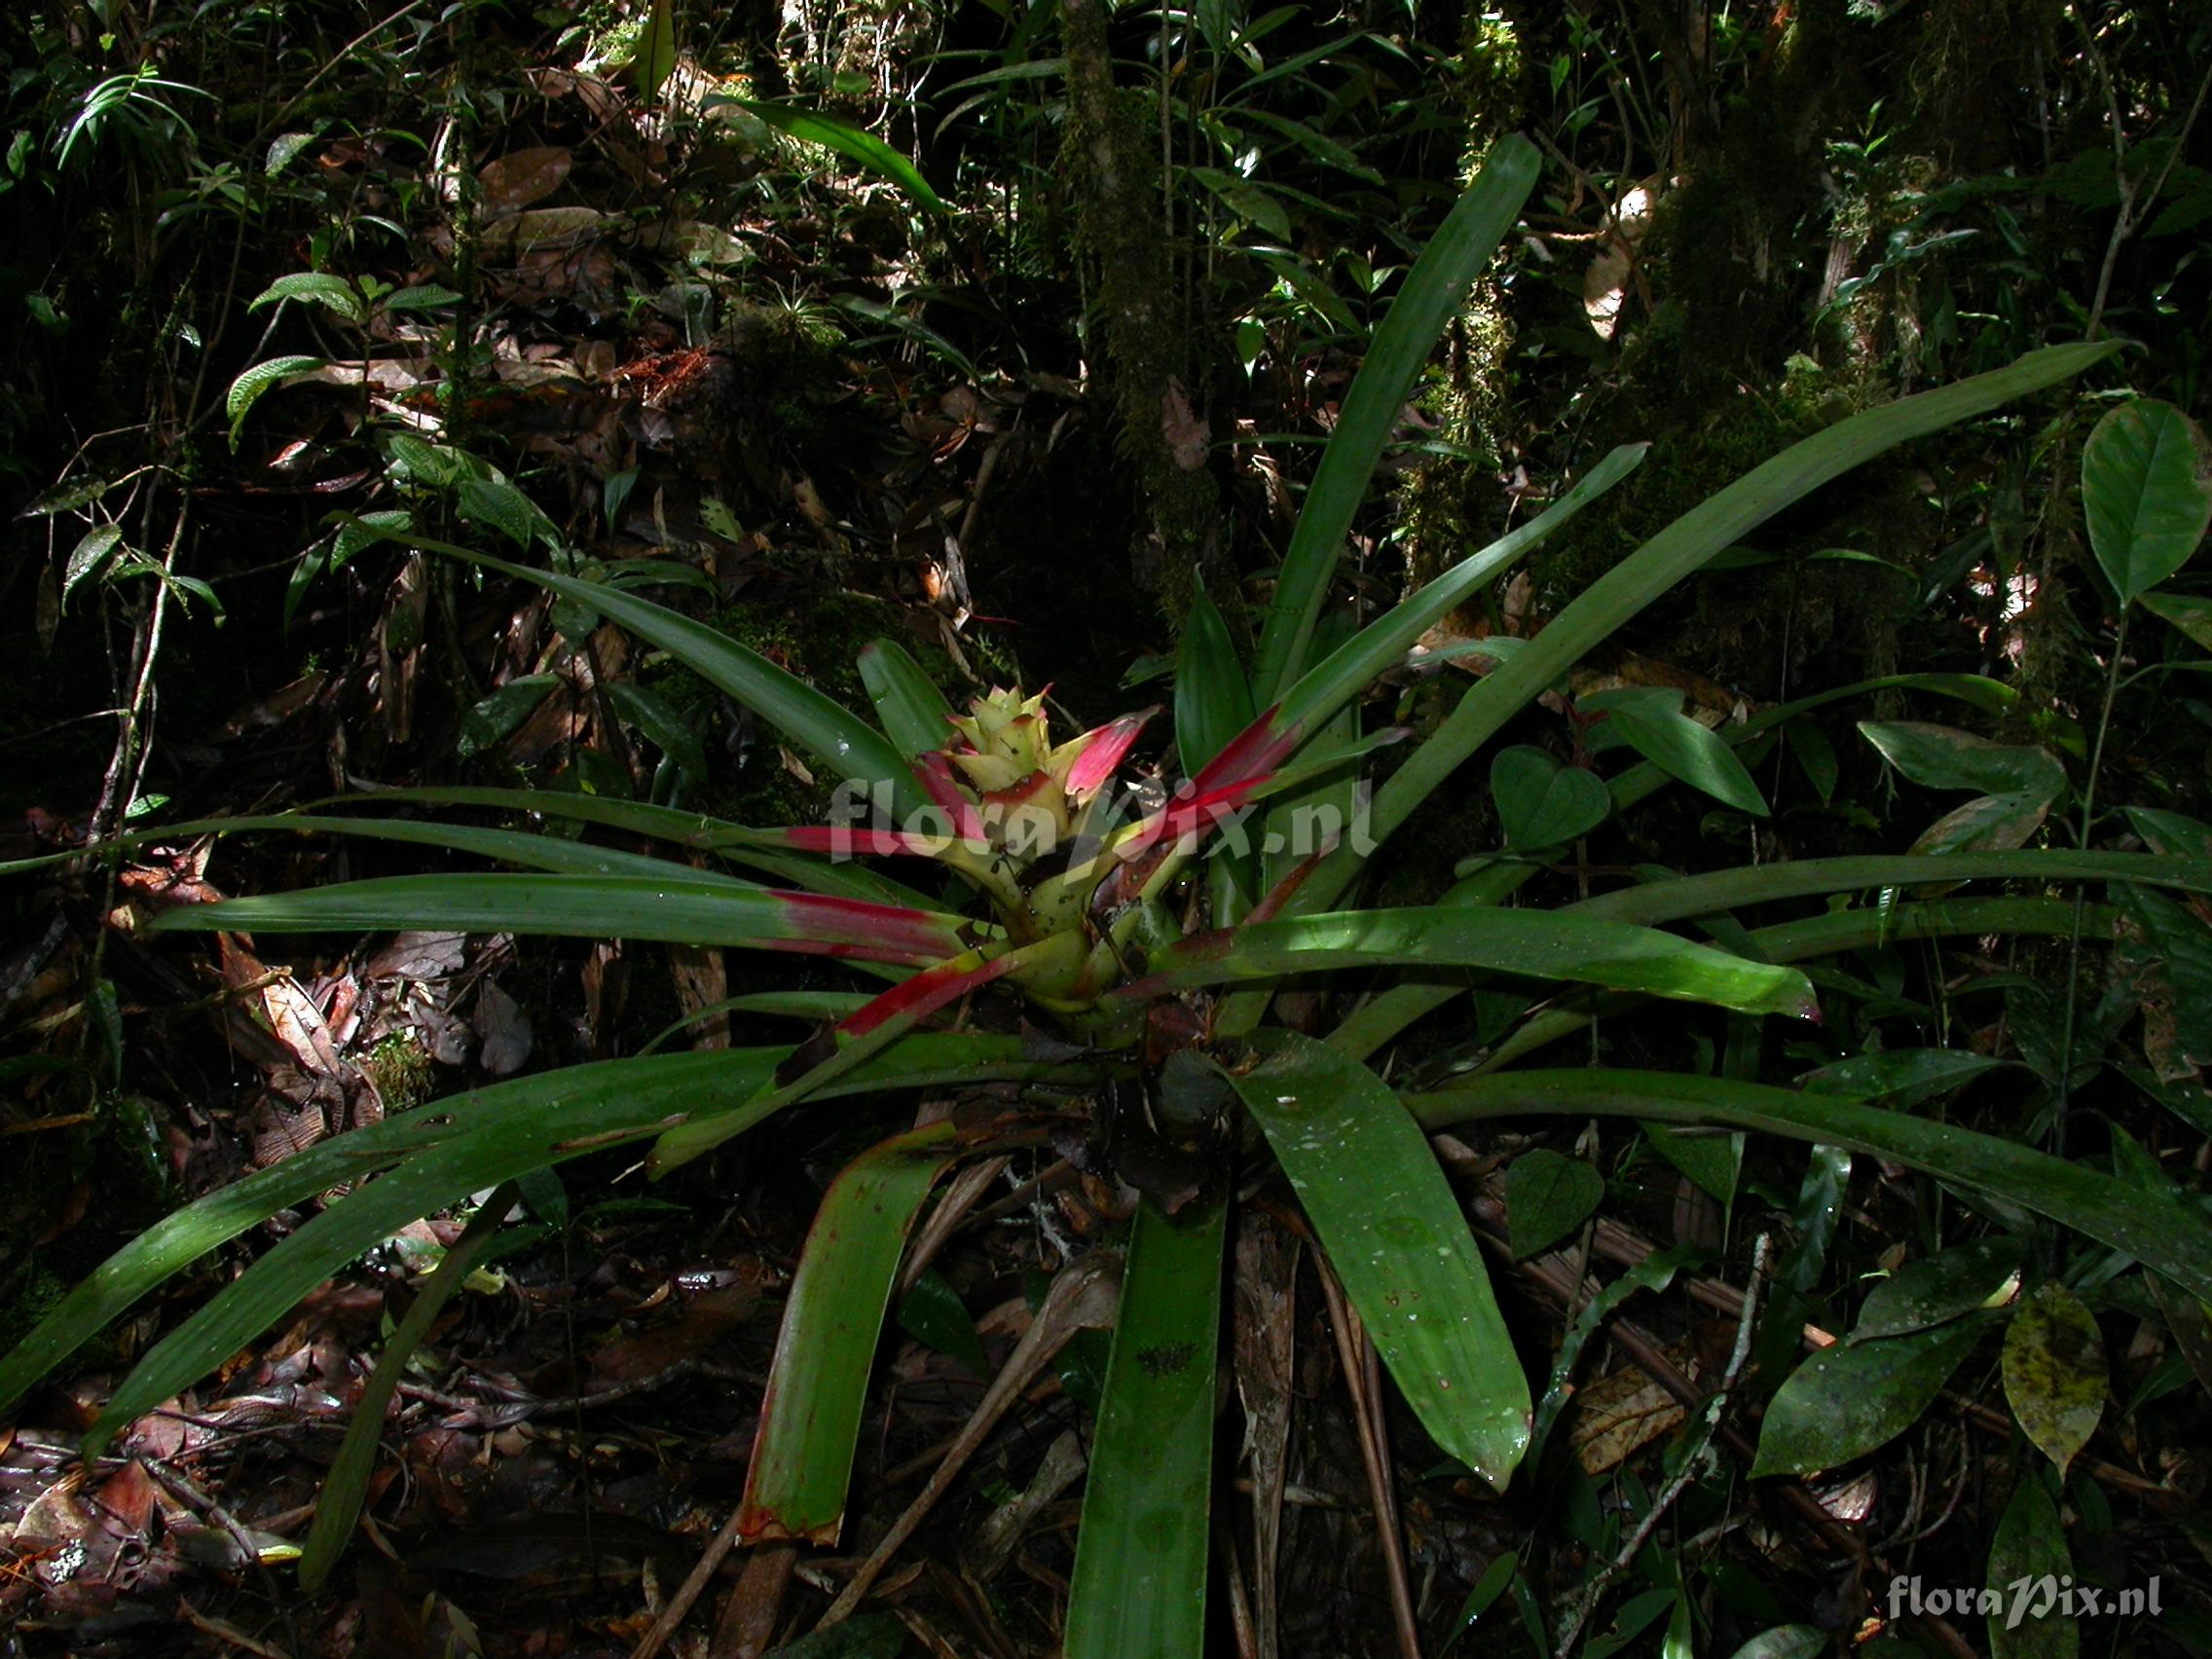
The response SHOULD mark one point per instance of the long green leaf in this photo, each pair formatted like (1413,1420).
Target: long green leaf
(1756,884)
(339,1504)
(1347,672)
(1213,702)
(1139,1588)
(849,141)
(810,1420)
(908,703)
(1433,291)
(467,1142)
(1539,944)
(684,907)
(1398,1241)
(2158,1230)
(1674,553)
(839,738)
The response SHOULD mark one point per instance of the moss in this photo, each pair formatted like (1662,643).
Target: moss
(401,1070)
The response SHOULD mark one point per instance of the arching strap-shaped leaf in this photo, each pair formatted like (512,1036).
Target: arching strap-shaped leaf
(1139,1588)
(1435,286)
(1399,1241)
(465,1142)
(836,736)
(810,1422)
(848,140)
(1347,672)
(1756,884)
(339,1504)
(684,909)
(1673,555)
(1539,944)
(2161,1232)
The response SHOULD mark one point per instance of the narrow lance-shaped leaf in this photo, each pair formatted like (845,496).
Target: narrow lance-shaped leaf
(1139,1587)
(1535,943)
(1432,292)
(679,909)
(1348,670)
(849,141)
(1213,702)
(339,1504)
(810,1420)
(2151,1227)
(1394,1232)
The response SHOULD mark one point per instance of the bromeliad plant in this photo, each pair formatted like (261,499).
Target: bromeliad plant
(1154,937)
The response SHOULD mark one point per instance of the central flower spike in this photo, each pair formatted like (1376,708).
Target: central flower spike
(1028,796)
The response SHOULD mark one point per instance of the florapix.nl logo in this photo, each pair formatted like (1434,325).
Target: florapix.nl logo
(2047,1596)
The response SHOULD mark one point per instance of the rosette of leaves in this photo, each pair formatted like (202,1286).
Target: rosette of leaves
(1154,935)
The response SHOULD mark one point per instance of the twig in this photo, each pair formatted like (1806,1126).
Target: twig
(1714,1406)
(1361,1380)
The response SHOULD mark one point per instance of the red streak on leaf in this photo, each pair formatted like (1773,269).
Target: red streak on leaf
(1253,753)
(934,772)
(1103,749)
(922,995)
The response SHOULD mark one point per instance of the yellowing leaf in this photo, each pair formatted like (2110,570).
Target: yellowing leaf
(2055,1372)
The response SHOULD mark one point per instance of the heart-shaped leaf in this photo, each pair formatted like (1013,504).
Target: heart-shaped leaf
(2055,1372)
(2146,490)
(1543,803)
(1547,1197)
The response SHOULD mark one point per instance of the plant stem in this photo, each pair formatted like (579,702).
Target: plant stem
(2065,1084)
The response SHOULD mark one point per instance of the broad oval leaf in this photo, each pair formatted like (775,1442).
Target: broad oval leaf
(1785,1641)
(493,717)
(1679,745)
(316,288)
(2193,616)
(2146,491)
(1939,1288)
(1547,1197)
(1849,1399)
(2055,1372)
(1898,1078)
(91,551)
(1398,1241)
(1543,802)
(2028,1562)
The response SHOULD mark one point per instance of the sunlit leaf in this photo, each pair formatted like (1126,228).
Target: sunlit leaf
(654,60)
(1657,730)
(314,287)
(248,389)
(848,140)
(1432,293)
(909,705)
